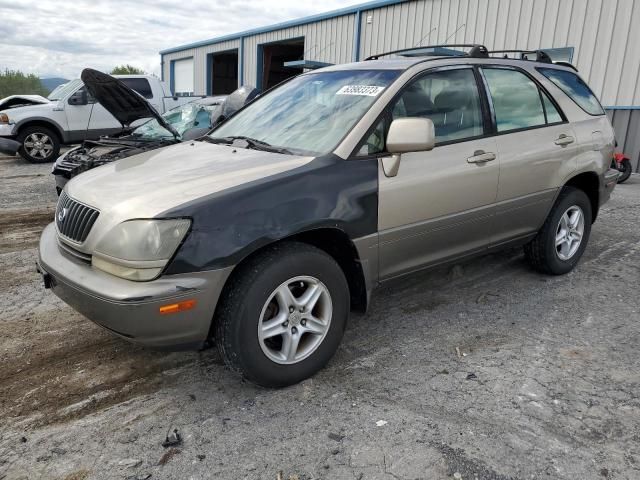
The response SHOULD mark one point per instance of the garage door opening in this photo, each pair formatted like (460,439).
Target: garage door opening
(274,55)
(224,72)
(182,77)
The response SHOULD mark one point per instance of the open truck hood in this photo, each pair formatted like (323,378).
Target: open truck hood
(13,101)
(120,101)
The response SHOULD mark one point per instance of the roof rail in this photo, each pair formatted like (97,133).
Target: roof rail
(541,56)
(476,50)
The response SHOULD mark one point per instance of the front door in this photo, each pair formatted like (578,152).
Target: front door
(440,204)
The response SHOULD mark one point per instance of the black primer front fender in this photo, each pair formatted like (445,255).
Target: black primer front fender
(230,225)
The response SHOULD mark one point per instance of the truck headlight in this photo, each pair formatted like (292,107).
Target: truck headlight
(139,249)
(4,118)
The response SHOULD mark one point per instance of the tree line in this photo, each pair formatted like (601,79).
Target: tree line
(14,82)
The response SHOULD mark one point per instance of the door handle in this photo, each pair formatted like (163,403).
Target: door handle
(563,140)
(480,156)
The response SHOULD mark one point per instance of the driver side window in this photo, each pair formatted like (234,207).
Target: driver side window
(450,98)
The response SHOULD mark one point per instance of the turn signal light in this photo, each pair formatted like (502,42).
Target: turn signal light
(177,307)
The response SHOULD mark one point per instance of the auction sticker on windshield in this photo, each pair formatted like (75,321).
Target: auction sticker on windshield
(363,90)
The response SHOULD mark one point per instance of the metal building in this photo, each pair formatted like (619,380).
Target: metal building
(595,35)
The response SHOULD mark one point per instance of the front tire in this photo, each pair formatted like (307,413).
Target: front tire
(561,241)
(283,315)
(39,144)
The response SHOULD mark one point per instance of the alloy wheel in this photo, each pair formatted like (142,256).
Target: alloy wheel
(295,320)
(38,145)
(569,232)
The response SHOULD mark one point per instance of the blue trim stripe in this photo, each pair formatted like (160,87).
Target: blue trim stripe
(358,34)
(241,63)
(623,107)
(291,23)
(209,74)
(172,76)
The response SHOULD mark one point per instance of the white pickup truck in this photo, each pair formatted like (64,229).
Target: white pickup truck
(70,115)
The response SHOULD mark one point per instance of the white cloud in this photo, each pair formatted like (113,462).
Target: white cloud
(61,37)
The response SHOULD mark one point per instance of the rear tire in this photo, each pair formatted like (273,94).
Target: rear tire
(625,173)
(39,144)
(561,241)
(265,330)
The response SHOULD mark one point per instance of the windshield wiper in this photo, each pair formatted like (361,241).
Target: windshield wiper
(253,143)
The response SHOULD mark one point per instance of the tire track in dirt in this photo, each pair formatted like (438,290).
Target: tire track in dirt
(21,228)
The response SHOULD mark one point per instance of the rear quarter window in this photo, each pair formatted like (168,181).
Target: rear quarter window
(140,85)
(575,88)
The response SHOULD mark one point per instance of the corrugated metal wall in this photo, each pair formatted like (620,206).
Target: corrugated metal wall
(607,49)
(199,62)
(326,41)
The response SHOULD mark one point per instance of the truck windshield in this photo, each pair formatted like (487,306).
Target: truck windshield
(310,114)
(64,90)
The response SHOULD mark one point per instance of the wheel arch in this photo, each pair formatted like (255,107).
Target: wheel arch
(334,242)
(42,122)
(589,183)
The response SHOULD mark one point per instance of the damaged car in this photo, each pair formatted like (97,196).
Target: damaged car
(185,122)
(264,235)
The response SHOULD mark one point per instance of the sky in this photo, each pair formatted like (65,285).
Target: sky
(58,38)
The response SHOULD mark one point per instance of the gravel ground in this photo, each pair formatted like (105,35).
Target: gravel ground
(483,370)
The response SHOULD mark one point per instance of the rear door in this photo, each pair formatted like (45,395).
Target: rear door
(537,148)
(440,203)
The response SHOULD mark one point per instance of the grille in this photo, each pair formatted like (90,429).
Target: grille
(73,219)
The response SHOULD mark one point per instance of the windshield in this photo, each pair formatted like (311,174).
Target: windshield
(63,90)
(182,118)
(310,114)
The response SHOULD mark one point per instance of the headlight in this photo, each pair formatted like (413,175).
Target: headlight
(4,118)
(139,249)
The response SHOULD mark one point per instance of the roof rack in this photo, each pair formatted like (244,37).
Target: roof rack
(541,56)
(477,51)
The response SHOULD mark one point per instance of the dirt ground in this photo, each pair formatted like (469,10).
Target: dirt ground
(485,370)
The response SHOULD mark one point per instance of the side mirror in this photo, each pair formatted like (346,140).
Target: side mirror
(411,134)
(405,135)
(78,98)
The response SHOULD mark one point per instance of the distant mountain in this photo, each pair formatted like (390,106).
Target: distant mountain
(53,82)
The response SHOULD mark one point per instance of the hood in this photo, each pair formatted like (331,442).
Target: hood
(13,101)
(145,185)
(123,103)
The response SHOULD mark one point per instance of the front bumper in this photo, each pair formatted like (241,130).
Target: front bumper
(131,309)
(6,130)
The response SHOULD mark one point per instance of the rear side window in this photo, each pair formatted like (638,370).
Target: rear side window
(516,99)
(575,88)
(140,85)
(518,102)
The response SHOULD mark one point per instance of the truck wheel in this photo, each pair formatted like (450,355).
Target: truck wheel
(283,315)
(39,144)
(625,170)
(561,241)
